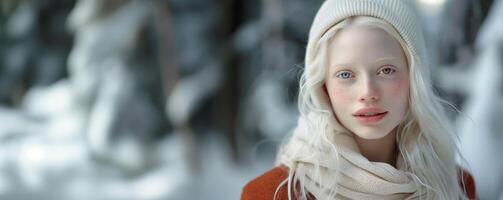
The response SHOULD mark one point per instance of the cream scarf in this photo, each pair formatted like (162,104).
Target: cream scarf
(359,178)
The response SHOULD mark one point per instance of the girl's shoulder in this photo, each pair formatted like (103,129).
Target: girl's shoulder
(264,186)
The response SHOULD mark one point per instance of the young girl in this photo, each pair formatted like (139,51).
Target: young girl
(370,125)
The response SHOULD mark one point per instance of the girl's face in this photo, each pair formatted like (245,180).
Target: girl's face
(367,81)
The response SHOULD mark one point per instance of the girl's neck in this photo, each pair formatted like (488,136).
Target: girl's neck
(379,150)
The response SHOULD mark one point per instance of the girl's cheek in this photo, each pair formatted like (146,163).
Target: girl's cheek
(339,94)
(399,89)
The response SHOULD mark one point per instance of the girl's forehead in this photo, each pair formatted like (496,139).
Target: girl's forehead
(361,35)
(361,44)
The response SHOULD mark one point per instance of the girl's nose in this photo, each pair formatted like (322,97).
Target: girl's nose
(369,92)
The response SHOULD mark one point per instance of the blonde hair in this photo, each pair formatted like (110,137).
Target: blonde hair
(425,138)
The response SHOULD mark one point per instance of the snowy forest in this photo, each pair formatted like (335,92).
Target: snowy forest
(190,99)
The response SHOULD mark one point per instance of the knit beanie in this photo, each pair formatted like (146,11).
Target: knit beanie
(401,14)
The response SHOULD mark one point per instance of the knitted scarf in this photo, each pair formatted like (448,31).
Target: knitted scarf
(358,178)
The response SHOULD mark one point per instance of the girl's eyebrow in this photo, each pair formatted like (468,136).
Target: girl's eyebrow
(382,59)
(390,58)
(341,65)
(378,60)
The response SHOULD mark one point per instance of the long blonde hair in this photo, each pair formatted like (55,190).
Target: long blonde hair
(425,138)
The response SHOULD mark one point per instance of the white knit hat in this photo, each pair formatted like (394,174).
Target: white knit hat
(401,14)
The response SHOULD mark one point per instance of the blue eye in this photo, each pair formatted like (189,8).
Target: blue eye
(344,75)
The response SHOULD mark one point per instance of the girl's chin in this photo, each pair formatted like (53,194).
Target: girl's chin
(371,134)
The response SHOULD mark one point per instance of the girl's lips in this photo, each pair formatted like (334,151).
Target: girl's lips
(368,110)
(372,118)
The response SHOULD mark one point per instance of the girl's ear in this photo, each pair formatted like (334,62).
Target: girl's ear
(325,103)
(325,89)
(323,99)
